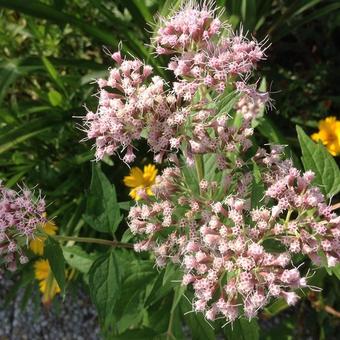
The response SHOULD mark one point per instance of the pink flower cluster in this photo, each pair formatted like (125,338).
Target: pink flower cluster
(119,118)
(316,228)
(190,25)
(133,103)
(20,216)
(203,56)
(223,244)
(207,219)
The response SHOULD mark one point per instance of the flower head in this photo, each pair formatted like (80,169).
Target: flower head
(21,214)
(206,218)
(212,230)
(37,244)
(329,135)
(47,283)
(139,179)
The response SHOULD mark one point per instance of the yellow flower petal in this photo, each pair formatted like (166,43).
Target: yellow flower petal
(41,269)
(37,246)
(47,283)
(50,228)
(149,191)
(135,178)
(329,135)
(150,173)
(139,179)
(133,194)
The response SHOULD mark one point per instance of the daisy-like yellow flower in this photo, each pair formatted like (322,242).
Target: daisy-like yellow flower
(329,135)
(47,283)
(139,179)
(37,244)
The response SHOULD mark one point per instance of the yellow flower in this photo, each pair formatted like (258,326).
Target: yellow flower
(47,283)
(37,245)
(329,135)
(138,179)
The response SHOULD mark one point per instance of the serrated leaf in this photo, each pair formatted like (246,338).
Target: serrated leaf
(315,157)
(78,258)
(136,283)
(102,211)
(54,254)
(105,284)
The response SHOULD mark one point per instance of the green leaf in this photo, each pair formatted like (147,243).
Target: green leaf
(143,10)
(125,205)
(179,292)
(226,101)
(315,157)
(78,258)
(55,98)
(209,166)
(169,273)
(105,284)
(137,282)
(127,236)
(167,325)
(54,255)
(136,334)
(59,4)
(248,11)
(140,13)
(53,73)
(242,329)
(8,74)
(166,281)
(43,11)
(276,307)
(25,131)
(199,327)
(257,191)
(102,211)
(316,14)
(336,271)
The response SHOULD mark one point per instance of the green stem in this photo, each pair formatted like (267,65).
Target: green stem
(288,216)
(169,334)
(93,240)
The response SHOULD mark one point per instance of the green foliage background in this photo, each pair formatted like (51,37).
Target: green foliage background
(50,52)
